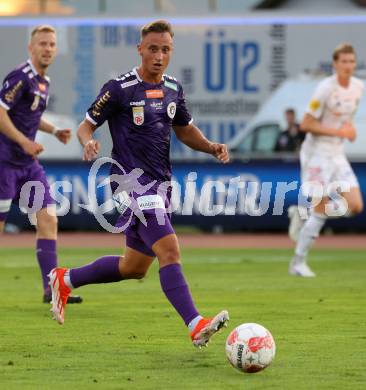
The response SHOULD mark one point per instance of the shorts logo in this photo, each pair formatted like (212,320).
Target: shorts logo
(138,115)
(148,202)
(154,93)
(122,201)
(35,103)
(171,109)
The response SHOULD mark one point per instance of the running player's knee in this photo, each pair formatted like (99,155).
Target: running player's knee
(47,223)
(134,274)
(170,256)
(2,226)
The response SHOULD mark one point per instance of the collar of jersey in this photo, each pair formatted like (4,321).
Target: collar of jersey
(136,73)
(29,62)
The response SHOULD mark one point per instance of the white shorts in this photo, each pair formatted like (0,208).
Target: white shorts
(322,175)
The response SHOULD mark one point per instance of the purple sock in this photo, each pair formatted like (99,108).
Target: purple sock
(176,290)
(103,270)
(47,259)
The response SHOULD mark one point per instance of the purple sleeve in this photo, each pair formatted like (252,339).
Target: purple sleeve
(14,86)
(182,116)
(105,104)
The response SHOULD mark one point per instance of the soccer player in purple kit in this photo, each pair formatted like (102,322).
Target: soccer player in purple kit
(23,99)
(141,107)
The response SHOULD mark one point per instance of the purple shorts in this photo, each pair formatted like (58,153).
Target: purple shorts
(145,218)
(15,187)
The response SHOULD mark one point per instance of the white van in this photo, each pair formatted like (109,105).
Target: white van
(259,137)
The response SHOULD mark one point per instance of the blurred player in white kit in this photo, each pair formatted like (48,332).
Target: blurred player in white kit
(327,123)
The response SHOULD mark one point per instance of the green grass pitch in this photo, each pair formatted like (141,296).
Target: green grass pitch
(126,335)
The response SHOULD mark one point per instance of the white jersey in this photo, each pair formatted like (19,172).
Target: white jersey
(333,105)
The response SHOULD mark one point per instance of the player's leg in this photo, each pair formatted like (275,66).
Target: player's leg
(106,269)
(308,234)
(297,213)
(46,227)
(354,201)
(109,269)
(316,173)
(8,184)
(344,182)
(164,243)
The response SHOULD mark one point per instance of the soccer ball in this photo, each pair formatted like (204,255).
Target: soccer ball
(250,348)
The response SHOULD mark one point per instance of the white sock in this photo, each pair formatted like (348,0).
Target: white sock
(309,233)
(67,279)
(194,322)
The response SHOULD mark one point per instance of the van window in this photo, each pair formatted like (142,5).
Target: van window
(266,137)
(247,145)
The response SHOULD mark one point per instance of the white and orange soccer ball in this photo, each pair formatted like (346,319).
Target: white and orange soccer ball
(250,348)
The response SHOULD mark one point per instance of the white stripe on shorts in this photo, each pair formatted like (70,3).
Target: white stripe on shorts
(5,205)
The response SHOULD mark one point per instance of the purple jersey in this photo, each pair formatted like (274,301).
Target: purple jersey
(140,116)
(24,95)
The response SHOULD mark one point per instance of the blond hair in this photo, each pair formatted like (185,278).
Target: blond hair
(42,28)
(158,26)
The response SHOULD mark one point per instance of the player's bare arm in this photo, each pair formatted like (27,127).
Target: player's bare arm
(85,135)
(63,135)
(314,126)
(192,136)
(9,130)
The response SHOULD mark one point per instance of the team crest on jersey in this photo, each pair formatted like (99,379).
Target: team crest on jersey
(35,103)
(171,109)
(138,115)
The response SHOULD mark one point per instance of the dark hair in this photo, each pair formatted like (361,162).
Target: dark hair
(343,48)
(290,111)
(158,26)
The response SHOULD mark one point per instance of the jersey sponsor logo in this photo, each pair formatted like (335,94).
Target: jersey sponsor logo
(140,103)
(148,202)
(171,109)
(35,103)
(10,95)
(157,105)
(171,85)
(154,93)
(129,83)
(314,105)
(99,105)
(42,87)
(138,115)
